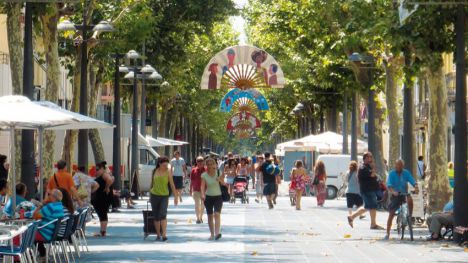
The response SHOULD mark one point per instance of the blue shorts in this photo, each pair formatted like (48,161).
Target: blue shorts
(370,199)
(229,180)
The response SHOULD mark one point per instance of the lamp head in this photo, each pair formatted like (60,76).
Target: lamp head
(132,54)
(66,25)
(103,26)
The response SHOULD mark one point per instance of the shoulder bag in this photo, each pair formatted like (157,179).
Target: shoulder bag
(224,190)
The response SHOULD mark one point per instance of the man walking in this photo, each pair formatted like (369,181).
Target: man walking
(269,179)
(179,169)
(369,185)
(397,185)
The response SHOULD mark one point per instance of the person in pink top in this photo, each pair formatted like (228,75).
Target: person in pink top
(195,188)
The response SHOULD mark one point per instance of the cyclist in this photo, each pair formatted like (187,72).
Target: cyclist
(397,184)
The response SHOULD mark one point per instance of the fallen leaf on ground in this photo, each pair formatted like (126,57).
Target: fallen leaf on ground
(347,236)
(175,221)
(444,245)
(189,221)
(254,253)
(466,249)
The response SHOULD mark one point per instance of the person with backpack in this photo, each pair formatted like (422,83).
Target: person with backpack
(269,179)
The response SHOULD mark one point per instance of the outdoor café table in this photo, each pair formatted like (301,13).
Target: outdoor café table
(8,232)
(17,222)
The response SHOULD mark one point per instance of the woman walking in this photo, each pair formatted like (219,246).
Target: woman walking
(259,179)
(230,170)
(299,179)
(211,194)
(195,188)
(162,177)
(320,183)
(353,196)
(102,197)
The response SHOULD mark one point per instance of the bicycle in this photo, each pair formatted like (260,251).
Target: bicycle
(404,218)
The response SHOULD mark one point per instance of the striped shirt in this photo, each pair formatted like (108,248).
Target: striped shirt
(50,212)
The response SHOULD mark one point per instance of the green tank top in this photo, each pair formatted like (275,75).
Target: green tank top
(160,184)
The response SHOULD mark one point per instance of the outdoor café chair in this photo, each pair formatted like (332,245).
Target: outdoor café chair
(49,245)
(22,251)
(80,230)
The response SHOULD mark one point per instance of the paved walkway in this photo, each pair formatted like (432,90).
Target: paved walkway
(252,233)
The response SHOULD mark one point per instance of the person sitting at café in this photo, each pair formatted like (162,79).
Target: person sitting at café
(438,220)
(53,209)
(3,189)
(21,192)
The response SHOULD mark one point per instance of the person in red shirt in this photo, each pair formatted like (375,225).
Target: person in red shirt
(195,188)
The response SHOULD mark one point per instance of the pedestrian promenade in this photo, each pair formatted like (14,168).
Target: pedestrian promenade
(252,233)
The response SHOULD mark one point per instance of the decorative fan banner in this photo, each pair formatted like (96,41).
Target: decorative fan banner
(242,67)
(233,95)
(243,121)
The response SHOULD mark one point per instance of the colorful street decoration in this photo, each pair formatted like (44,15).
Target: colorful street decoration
(243,121)
(233,95)
(243,67)
(242,70)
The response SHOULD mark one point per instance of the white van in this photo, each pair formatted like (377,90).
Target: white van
(336,166)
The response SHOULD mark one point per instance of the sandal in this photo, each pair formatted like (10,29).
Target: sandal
(218,236)
(376,227)
(100,234)
(350,222)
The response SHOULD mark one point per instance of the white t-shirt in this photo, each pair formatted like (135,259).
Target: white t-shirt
(178,166)
(420,169)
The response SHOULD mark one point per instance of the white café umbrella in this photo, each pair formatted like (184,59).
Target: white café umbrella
(171,142)
(81,122)
(18,112)
(155,142)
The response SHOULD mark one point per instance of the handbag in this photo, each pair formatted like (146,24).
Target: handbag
(316,180)
(224,191)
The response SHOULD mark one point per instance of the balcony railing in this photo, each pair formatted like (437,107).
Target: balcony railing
(422,112)
(4,58)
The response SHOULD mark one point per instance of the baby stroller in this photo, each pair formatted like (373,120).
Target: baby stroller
(240,189)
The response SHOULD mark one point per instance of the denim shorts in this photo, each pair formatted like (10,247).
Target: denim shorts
(370,199)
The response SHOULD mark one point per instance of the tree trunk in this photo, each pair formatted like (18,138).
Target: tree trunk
(378,154)
(162,122)
(95,81)
(438,185)
(392,110)
(72,135)
(13,11)
(49,21)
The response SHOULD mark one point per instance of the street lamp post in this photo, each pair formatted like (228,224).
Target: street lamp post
(102,26)
(461,182)
(116,161)
(135,73)
(345,123)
